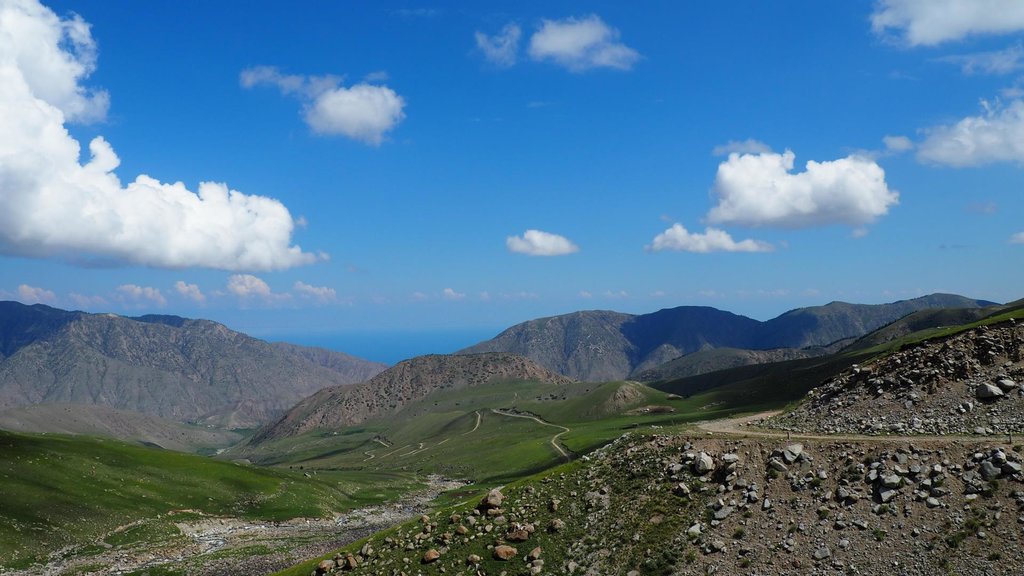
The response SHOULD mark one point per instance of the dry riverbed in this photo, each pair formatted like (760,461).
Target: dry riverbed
(219,545)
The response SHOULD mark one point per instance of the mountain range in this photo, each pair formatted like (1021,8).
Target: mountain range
(603,345)
(175,368)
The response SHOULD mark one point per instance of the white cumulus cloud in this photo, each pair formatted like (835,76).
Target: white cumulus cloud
(321,294)
(35,295)
(678,238)
(540,243)
(996,135)
(502,48)
(55,206)
(134,294)
(761,190)
(52,55)
(581,44)
(931,22)
(364,111)
(1017,238)
(189,291)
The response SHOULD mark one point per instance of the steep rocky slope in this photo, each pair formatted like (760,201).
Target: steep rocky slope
(396,387)
(175,368)
(967,383)
(601,345)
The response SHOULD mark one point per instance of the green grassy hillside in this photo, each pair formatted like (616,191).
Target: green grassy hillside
(73,492)
(490,434)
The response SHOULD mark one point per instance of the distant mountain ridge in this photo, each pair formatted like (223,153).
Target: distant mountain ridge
(175,368)
(400,385)
(604,345)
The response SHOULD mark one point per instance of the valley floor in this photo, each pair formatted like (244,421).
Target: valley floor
(217,545)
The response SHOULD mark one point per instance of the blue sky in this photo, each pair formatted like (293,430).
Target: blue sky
(438,167)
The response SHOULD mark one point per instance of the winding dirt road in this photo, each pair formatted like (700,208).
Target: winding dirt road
(554,439)
(740,426)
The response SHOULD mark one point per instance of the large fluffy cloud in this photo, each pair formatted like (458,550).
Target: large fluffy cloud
(540,243)
(996,135)
(930,22)
(501,48)
(678,238)
(53,205)
(364,112)
(580,44)
(761,190)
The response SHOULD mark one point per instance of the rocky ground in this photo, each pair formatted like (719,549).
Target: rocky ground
(676,505)
(967,384)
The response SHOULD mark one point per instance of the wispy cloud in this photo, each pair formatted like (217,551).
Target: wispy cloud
(35,295)
(502,48)
(140,296)
(321,294)
(748,146)
(995,62)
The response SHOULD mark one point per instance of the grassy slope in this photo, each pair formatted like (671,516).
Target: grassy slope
(59,491)
(439,434)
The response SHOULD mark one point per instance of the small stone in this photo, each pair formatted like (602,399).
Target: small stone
(430,556)
(504,552)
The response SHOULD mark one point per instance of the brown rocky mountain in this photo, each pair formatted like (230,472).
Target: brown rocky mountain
(166,366)
(602,345)
(396,387)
